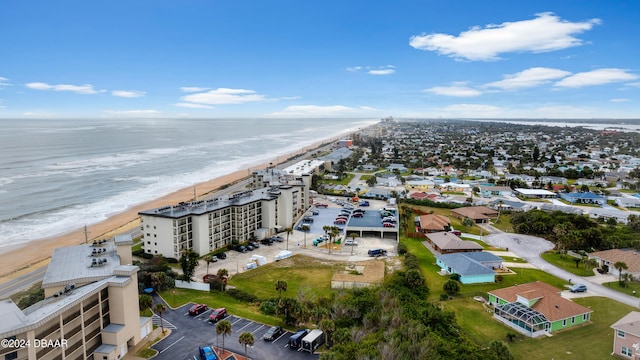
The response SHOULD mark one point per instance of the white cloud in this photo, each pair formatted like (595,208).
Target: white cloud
(596,77)
(128,93)
(193,89)
(79,89)
(225,96)
(140,113)
(619,100)
(4,81)
(472,110)
(455,90)
(385,70)
(323,111)
(546,32)
(354,68)
(194,106)
(529,78)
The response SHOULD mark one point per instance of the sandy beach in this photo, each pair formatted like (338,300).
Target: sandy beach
(19,260)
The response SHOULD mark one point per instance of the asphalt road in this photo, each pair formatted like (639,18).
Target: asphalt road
(22,283)
(189,332)
(530,247)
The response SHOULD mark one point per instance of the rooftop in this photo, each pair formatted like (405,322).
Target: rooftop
(630,257)
(73,264)
(469,263)
(449,241)
(630,323)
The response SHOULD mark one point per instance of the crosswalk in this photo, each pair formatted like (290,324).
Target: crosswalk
(155,320)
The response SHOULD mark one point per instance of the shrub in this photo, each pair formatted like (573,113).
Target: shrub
(451,287)
(455,277)
(444,297)
(269,307)
(147,256)
(402,249)
(242,296)
(411,262)
(172,260)
(138,252)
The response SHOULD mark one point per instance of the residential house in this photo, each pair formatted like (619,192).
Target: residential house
(626,336)
(399,167)
(628,201)
(607,258)
(454,187)
(609,213)
(447,242)
(536,309)
(419,185)
(479,214)
(488,191)
(583,198)
(517,206)
(432,223)
(387,179)
(535,193)
(473,267)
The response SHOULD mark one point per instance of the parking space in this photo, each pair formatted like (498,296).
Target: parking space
(188,332)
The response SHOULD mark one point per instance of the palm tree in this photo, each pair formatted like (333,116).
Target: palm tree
(500,203)
(281,286)
(223,273)
(246,339)
(288,230)
(305,228)
(145,302)
(208,259)
(223,328)
(619,265)
(327,326)
(159,309)
(353,236)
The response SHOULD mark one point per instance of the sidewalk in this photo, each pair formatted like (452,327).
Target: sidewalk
(131,355)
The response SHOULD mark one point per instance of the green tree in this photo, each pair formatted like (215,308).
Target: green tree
(160,309)
(289,231)
(467,223)
(501,350)
(223,328)
(305,229)
(413,279)
(620,265)
(451,287)
(328,327)
(145,302)
(222,273)
(246,339)
(281,286)
(208,259)
(188,263)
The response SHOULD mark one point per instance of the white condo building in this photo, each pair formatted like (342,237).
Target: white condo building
(278,199)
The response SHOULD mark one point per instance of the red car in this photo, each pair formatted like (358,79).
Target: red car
(198,309)
(340,221)
(218,314)
(388,224)
(321,205)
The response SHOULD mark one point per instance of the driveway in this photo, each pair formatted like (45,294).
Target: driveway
(530,247)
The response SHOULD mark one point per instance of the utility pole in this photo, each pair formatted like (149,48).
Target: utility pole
(86,235)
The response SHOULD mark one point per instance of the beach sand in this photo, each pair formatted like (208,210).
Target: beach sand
(17,260)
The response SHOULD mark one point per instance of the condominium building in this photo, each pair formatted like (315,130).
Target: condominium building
(90,310)
(207,225)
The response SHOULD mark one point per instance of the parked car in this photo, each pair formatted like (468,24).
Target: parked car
(280,238)
(241,248)
(320,205)
(307,219)
(350,242)
(318,241)
(456,232)
(250,247)
(273,333)
(267,242)
(364,203)
(390,219)
(358,215)
(388,224)
(359,211)
(315,212)
(254,244)
(198,309)
(218,314)
(377,252)
(578,288)
(221,255)
(340,221)
(206,353)
(295,341)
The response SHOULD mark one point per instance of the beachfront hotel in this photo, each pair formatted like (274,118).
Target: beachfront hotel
(277,199)
(90,310)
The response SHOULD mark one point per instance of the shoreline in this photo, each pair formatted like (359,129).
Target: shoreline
(31,259)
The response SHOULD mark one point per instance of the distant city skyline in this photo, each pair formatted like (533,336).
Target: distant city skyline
(353,59)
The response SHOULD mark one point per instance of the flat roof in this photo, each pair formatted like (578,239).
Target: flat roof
(304,167)
(205,206)
(74,264)
(534,191)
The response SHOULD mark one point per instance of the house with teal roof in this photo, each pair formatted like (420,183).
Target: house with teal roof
(473,267)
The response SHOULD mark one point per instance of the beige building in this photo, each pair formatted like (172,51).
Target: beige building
(90,310)
(279,198)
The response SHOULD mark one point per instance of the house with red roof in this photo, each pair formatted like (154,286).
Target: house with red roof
(535,309)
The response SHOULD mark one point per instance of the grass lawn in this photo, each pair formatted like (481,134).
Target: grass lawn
(136,246)
(365,177)
(343,181)
(567,263)
(503,223)
(303,274)
(629,289)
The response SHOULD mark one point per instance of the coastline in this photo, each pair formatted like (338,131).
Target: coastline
(24,258)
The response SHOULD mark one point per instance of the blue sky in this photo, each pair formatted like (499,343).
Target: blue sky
(297,58)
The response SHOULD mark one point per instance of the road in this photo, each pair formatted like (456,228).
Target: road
(530,247)
(22,283)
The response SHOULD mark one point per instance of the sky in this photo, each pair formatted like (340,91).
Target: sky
(315,59)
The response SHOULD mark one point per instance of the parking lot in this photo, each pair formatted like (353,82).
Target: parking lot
(189,332)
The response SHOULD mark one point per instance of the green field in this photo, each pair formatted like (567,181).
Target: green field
(631,288)
(567,263)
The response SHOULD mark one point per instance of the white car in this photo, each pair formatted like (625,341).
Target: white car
(350,242)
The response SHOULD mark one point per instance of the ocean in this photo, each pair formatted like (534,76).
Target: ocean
(59,175)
